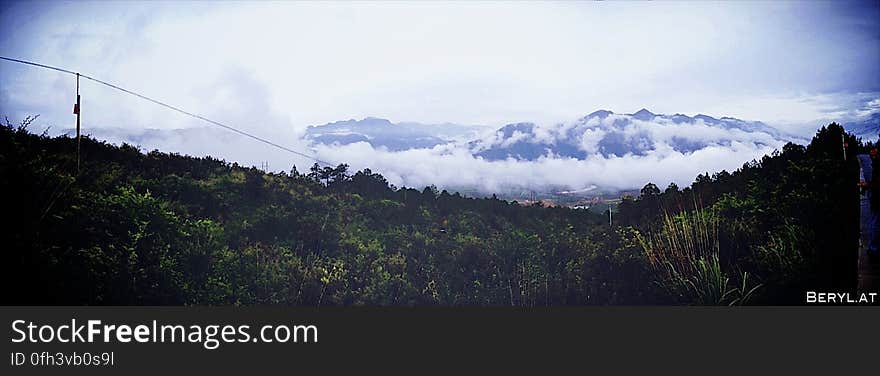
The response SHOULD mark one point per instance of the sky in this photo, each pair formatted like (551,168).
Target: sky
(275,68)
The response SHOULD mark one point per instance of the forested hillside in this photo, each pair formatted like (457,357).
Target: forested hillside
(157,229)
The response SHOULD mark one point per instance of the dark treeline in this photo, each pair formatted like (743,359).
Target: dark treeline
(167,229)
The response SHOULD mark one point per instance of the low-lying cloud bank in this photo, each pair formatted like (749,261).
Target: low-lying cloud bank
(454,167)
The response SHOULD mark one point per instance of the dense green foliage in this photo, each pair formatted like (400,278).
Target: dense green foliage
(157,228)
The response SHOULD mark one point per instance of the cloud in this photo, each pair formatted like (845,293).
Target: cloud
(658,155)
(517,136)
(590,140)
(454,167)
(468,63)
(587,134)
(869,108)
(207,141)
(238,100)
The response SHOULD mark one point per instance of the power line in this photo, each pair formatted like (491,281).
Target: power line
(217,123)
(38,65)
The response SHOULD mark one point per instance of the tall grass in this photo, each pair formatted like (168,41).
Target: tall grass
(684,253)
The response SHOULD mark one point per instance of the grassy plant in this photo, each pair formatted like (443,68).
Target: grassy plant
(781,254)
(684,253)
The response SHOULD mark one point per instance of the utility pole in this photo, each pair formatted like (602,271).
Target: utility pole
(76,110)
(609,215)
(843,142)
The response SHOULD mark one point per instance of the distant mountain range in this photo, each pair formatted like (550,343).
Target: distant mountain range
(599,133)
(393,136)
(608,134)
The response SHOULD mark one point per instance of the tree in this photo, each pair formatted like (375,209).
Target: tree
(649,191)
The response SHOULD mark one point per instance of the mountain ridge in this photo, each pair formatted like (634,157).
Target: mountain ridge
(609,134)
(382,133)
(620,135)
